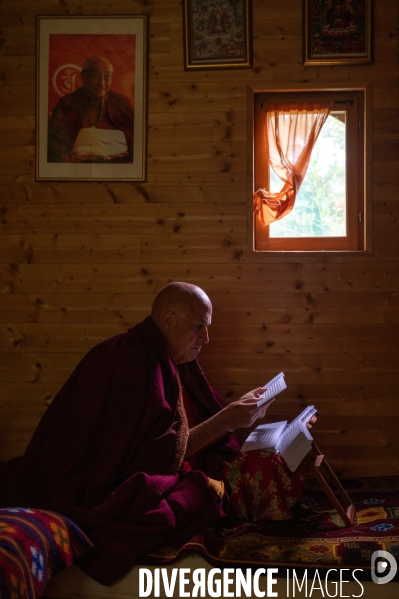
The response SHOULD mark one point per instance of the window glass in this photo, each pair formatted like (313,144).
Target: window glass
(329,209)
(320,207)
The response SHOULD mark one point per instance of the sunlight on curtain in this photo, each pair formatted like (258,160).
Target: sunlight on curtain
(290,133)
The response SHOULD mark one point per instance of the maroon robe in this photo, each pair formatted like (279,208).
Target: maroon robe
(103,451)
(68,116)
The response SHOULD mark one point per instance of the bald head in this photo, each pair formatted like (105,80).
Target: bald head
(179,296)
(96,63)
(183,313)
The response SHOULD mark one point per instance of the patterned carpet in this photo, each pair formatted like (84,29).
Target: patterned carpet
(315,538)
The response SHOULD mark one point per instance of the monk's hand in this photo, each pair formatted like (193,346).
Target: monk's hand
(217,486)
(245,411)
(239,414)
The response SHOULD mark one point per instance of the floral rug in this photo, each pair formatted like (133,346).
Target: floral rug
(315,538)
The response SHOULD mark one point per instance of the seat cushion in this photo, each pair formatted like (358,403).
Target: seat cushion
(34,545)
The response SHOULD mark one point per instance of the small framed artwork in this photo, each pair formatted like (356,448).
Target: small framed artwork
(91,98)
(337,32)
(217,34)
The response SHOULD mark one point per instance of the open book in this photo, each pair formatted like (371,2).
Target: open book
(293,441)
(273,387)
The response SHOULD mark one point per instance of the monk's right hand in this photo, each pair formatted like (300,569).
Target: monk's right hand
(244,412)
(239,414)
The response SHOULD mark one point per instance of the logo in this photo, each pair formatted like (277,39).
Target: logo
(381,561)
(66,79)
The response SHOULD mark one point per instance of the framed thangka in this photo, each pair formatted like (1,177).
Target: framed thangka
(217,34)
(337,32)
(91,98)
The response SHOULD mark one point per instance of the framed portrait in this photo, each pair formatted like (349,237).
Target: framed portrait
(217,34)
(91,98)
(337,32)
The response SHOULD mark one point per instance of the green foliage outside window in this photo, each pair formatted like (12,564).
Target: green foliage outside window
(320,208)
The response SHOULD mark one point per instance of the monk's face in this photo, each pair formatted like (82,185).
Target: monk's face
(189,333)
(97,79)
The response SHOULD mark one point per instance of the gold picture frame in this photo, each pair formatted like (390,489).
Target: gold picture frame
(217,34)
(64,46)
(337,32)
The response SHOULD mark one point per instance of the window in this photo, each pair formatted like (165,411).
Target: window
(309,171)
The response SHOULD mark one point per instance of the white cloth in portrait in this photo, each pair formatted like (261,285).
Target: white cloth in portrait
(92,143)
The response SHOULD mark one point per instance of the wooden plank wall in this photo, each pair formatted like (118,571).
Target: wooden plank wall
(82,261)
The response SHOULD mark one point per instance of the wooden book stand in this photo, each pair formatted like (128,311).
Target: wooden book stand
(345,507)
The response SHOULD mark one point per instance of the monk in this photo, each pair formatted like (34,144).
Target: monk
(136,447)
(93,123)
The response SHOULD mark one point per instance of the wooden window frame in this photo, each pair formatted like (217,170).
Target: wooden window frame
(358,192)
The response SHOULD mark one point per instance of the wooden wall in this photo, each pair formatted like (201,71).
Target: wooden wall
(82,261)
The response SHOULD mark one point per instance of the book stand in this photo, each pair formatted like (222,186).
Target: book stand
(345,507)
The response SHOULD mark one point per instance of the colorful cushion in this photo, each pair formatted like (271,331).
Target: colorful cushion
(34,545)
(262,486)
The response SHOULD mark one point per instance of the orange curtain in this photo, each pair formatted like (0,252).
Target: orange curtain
(290,133)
